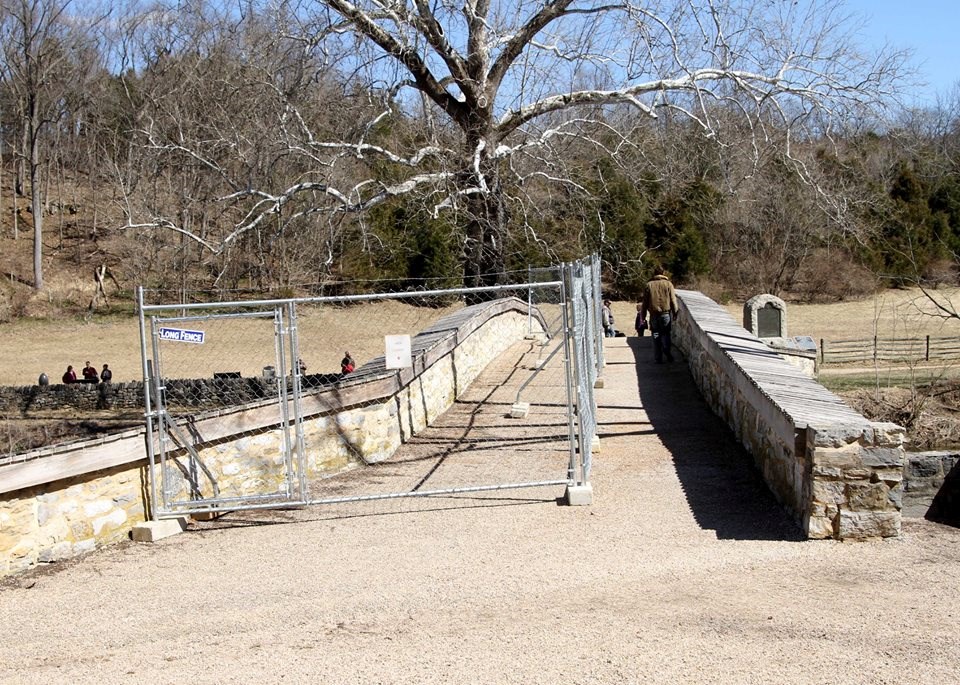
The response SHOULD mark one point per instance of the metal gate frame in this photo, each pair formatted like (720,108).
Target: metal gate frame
(577,329)
(165,435)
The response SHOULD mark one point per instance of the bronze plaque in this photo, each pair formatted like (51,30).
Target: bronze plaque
(768,321)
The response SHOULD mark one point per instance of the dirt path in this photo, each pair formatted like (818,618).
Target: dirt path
(683,570)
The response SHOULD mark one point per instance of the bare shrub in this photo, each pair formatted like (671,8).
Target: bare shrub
(14,299)
(832,276)
(929,412)
(941,272)
(715,290)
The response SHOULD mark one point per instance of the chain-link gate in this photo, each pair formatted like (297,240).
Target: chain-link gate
(301,401)
(195,413)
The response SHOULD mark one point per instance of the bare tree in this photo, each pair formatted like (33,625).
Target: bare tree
(498,88)
(41,42)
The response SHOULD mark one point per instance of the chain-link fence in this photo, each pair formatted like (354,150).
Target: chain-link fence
(352,398)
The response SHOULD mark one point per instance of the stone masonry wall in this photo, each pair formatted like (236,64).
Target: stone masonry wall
(838,474)
(52,522)
(924,477)
(77,497)
(188,392)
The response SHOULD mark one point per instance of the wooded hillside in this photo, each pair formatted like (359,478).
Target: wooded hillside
(288,147)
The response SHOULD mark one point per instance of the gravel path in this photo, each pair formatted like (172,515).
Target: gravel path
(683,570)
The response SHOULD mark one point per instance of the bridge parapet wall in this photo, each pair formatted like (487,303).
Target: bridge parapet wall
(839,474)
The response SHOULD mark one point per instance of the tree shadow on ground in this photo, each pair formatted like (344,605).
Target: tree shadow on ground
(724,489)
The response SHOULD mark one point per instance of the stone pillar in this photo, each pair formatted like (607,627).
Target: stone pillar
(855,488)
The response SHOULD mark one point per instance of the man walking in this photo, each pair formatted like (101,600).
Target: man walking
(660,301)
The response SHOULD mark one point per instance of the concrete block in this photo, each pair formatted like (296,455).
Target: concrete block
(579,495)
(595,444)
(151,531)
(520,410)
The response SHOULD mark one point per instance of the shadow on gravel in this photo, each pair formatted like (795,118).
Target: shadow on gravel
(945,507)
(725,491)
(392,507)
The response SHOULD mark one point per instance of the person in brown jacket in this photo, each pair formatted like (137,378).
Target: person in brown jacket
(660,301)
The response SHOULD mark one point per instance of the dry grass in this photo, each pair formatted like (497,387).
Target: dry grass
(930,414)
(888,314)
(29,347)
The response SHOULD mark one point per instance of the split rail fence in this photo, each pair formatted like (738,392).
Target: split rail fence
(876,349)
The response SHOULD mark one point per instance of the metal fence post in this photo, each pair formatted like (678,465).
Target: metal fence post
(529,300)
(147,404)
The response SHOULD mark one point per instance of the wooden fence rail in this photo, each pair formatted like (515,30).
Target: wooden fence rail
(928,348)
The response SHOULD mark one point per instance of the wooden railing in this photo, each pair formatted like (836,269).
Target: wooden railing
(906,350)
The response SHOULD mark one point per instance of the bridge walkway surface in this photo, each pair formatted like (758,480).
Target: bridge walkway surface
(684,569)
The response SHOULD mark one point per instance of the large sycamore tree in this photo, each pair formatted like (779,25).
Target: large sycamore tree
(502,92)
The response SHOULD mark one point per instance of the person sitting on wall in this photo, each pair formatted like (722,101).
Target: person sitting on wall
(90,374)
(346,364)
(106,375)
(69,376)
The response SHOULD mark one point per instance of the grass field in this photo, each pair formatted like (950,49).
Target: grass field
(892,313)
(889,314)
(29,347)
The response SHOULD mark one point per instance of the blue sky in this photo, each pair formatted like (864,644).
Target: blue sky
(931,28)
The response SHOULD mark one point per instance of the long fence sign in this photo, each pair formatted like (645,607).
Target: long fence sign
(181,335)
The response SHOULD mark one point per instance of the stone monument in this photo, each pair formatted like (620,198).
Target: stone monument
(765,316)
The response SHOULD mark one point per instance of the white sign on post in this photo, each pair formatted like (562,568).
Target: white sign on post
(397,351)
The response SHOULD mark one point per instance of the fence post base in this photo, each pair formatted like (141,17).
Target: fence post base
(151,531)
(520,410)
(579,495)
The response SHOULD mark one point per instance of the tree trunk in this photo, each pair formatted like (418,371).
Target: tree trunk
(20,164)
(485,232)
(16,211)
(37,203)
